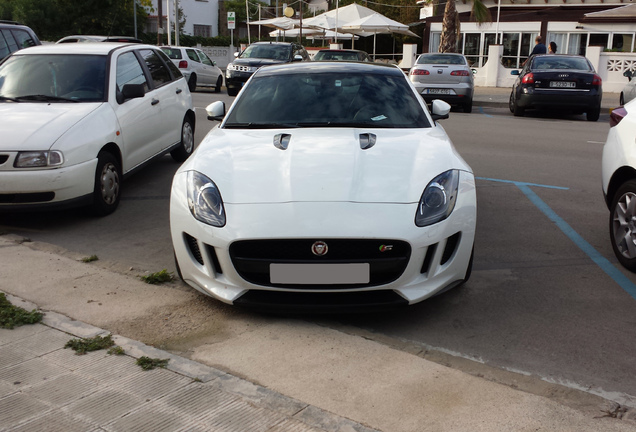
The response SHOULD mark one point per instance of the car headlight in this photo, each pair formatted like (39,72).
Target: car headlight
(438,199)
(39,159)
(204,200)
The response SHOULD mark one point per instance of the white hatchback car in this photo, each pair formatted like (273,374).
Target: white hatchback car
(77,118)
(325,186)
(196,67)
(619,183)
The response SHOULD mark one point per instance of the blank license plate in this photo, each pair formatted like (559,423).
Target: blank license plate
(439,91)
(562,84)
(319,274)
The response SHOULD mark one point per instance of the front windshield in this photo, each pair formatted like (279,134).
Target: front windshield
(329,99)
(554,62)
(267,51)
(51,77)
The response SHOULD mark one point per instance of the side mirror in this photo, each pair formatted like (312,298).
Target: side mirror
(298,57)
(132,91)
(474,71)
(515,72)
(629,74)
(216,110)
(236,54)
(440,110)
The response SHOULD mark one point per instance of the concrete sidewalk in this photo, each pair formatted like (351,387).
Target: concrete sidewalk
(294,375)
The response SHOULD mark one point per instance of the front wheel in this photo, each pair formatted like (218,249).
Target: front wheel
(219,84)
(107,190)
(232,91)
(621,100)
(192,83)
(186,147)
(622,224)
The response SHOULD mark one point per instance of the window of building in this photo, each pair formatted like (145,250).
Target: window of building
(623,42)
(202,30)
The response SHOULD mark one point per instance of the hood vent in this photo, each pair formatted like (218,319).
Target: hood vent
(367,140)
(281,141)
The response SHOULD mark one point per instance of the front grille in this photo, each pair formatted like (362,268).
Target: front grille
(193,246)
(387,258)
(26,198)
(451,247)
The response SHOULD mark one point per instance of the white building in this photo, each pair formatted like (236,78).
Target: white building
(202,16)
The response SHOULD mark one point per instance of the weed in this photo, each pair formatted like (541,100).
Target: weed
(158,277)
(116,350)
(90,259)
(82,346)
(13,316)
(148,363)
(197,380)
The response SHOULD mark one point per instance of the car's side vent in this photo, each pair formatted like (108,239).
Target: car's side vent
(450,248)
(3,159)
(215,259)
(193,246)
(428,259)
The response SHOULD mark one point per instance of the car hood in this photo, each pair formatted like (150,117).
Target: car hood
(257,62)
(36,126)
(324,165)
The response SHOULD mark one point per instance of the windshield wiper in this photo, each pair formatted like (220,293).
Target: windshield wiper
(6,98)
(338,124)
(45,98)
(260,125)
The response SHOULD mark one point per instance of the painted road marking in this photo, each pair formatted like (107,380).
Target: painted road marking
(622,280)
(481,111)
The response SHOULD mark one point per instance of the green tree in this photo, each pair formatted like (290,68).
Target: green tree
(451,26)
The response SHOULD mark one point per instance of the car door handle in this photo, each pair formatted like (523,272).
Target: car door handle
(179,91)
(154,102)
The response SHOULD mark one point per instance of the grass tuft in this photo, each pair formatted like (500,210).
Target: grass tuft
(116,350)
(148,363)
(158,277)
(14,316)
(90,258)
(82,346)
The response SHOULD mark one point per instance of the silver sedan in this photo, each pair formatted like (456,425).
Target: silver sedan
(444,76)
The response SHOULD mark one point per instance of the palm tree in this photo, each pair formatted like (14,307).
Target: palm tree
(450,25)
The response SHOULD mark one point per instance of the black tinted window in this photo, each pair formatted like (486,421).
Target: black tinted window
(267,51)
(554,62)
(176,73)
(4,48)
(328,99)
(158,70)
(13,46)
(23,38)
(432,59)
(174,54)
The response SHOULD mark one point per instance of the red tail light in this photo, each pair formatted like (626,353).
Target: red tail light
(617,115)
(597,81)
(183,64)
(420,72)
(460,73)
(528,79)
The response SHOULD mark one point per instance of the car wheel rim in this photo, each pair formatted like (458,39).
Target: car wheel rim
(187,137)
(624,225)
(110,183)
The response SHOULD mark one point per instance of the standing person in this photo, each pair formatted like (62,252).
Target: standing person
(552,47)
(539,48)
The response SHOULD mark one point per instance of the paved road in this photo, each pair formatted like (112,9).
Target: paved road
(540,301)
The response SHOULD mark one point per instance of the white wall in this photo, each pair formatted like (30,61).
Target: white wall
(203,12)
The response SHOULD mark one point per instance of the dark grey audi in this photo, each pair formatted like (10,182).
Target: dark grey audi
(563,82)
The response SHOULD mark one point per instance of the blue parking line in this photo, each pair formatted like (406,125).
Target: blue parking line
(622,280)
(481,111)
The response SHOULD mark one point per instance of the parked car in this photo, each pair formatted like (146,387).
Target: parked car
(629,91)
(260,54)
(564,82)
(444,76)
(77,118)
(93,38)
(325,186)
(341,55)
(14,37)
(196,67)
(619,183)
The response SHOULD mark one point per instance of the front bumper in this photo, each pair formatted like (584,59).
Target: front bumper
(236,79)
(24,189)
(438,259)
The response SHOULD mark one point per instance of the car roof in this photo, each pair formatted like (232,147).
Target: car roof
(341,50)
(96,48)
(331,67)
(271,43)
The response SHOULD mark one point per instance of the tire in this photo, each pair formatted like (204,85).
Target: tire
(469,270)
(517,111)
(107,190)
(186,147)
(232,91)
(593,114)
(511,103)
(219,84)
(468,106)
(176,263)
(192,83)
(622,225)
(622,100)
